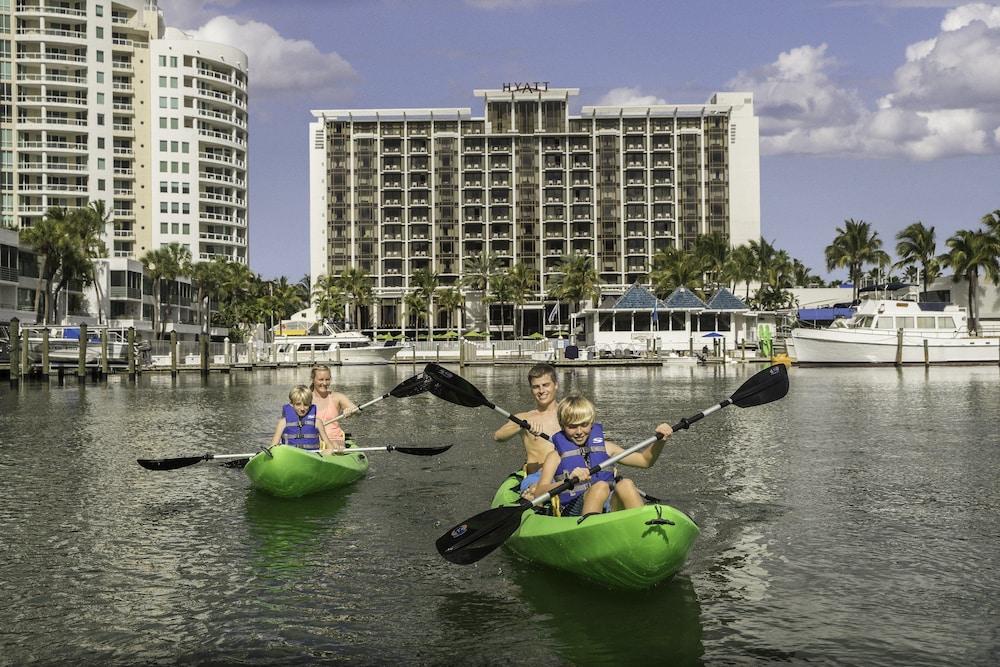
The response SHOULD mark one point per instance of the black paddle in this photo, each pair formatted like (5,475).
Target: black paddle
(417,384)
(456,389)
(184,461)
(411,386)
(476,537)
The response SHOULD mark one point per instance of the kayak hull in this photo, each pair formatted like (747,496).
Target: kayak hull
(628,549)
(290,472)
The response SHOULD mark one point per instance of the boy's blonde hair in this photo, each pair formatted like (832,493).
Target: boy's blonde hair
(575,410)
(300,394)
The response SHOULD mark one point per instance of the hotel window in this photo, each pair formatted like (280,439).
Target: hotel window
(101,163)
(175,228)
(186,228)
(163,123)
(99,32)
(163,186)
(173,61)
(100,56)
(163,146)
(164,207)
(99,10)
(163,82)
(100,77)
(163,102)
(163,61)
(163,228)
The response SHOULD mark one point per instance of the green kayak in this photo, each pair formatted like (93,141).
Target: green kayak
(629,549)
(290,472)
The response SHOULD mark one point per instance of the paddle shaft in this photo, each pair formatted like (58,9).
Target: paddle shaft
(680,426)
(359,408)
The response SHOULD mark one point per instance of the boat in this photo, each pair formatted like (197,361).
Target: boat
(291,472)
(628,549)
(319,341)
(64,345)
(895,331)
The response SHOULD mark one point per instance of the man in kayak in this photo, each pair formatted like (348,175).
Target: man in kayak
(297,425)
(577,447)
(543,419)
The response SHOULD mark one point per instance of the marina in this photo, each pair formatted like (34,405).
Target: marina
(802,526)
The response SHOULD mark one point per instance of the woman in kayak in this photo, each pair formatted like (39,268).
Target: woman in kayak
(297,425)
(329,404)
(580,445)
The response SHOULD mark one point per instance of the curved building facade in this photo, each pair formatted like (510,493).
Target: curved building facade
(99,101)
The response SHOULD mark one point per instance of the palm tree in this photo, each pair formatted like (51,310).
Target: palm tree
(47,239)
(425,282)
(450,300)
(713,251)
(305,287)
(357,285)
(576,280)
(92,222)
(969,252)
(855,245)
(502,292)
(992,222)
(917,245)
(328,297)
(673,268)
(164,264)
(416,304)
(476,274)
(288,298)
(802,275)
(742,265)
(523,285)
(208,280)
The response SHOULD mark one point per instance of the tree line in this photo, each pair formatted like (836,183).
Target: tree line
(228,294)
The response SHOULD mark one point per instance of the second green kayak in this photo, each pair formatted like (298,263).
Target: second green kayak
(290,472)
(627,549)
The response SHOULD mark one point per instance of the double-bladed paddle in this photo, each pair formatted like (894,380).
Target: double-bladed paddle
(417,384)
(411,386)
(478,536)
(184,461)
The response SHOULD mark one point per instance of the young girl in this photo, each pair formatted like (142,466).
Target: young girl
(297,425)
(329,404)
(579,446)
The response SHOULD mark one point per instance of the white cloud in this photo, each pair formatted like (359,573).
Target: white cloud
(628,97)
(192,13)
(945,99)
(277,63)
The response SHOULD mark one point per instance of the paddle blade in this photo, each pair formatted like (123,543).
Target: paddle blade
(454,388)
(768,385)
(169,464)
(422,451)
(417,384)
(479,536)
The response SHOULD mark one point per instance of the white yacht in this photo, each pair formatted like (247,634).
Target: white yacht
(303,340)
(887,331)
(64,345)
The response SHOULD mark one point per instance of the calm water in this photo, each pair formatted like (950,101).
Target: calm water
(857,521)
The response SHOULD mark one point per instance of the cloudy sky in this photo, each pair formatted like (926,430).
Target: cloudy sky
(881,110)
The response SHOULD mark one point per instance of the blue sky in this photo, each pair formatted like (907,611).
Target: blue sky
(881,110)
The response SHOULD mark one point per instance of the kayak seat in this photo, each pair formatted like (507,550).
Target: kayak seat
(659,520)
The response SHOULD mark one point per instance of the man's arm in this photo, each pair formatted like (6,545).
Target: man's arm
(508,430)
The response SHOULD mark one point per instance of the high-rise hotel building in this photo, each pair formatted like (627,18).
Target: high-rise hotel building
(100,101)
(397,190)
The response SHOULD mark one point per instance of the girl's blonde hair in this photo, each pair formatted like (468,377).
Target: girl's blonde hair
(574,410)
(300,394)
(312,374)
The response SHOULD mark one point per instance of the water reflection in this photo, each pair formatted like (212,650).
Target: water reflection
(293,533)
(590,625)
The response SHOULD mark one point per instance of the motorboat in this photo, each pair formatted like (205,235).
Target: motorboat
(64,345)
(299,341)
(891,331)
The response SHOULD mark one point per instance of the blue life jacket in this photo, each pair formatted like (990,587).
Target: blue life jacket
(571,457)
(300,432)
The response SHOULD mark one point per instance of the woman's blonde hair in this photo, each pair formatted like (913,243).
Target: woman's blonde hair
(575,410)
(300,394)
(312,374)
